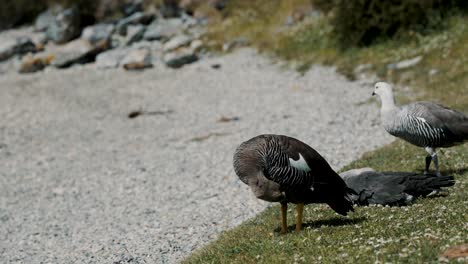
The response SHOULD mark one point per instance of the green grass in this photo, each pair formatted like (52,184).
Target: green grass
(411,234)
(414,234)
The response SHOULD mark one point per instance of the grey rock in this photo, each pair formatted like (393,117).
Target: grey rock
(404,64)
(137,59)
(111,58)
(98,33)
(155,47)
(163,30)
(179,58)
(76,51)
(65,26)
(44,20)
(134,34)
(136,18)
(177,42)
(12,46)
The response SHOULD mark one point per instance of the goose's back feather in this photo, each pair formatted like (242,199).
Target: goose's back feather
(427,124)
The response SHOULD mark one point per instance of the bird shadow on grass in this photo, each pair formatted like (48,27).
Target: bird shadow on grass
(335,221)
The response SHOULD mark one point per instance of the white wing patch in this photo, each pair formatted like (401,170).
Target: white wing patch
(422,119)
(300,164)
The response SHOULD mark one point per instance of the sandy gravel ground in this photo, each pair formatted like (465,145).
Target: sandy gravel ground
(82,183)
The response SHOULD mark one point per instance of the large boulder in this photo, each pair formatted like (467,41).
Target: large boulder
(17,45)
(65,27)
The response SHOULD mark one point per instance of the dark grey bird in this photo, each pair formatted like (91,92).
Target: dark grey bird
(392,188)
(424,124)
(283,169)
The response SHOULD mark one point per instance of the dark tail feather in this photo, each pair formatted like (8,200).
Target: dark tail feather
(344,204)
(424,185)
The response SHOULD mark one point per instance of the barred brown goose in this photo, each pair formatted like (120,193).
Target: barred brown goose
(424,124)
(283,169)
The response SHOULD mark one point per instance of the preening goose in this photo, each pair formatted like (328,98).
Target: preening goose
(283,169)
(424,124)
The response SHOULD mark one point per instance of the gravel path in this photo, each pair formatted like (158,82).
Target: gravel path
(82,183)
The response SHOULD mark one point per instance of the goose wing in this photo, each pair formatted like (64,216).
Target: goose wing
(299,165)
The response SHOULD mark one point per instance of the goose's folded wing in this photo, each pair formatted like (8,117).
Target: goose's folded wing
(289,177)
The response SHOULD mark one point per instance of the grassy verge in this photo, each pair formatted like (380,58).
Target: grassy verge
(412,234)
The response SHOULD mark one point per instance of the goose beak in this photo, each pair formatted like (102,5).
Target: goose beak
(373,93)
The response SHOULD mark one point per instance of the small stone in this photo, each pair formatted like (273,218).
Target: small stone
(98,33)
(134,34)
(32,63)
(137,59)
(163,30)
(111,58)
(177,42)
(179,58)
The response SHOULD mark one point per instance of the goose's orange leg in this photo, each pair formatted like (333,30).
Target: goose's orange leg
(299,208)
(284,212)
